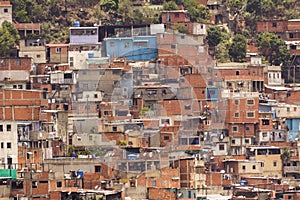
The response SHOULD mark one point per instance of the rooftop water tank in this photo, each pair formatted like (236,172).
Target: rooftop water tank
(76,24)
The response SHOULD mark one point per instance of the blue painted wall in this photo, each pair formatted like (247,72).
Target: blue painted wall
(133,48)
(293,125)
(212,94)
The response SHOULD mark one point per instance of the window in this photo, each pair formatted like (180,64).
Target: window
(105,112)
(8,145)
(114,128)
(3,63)
(2,145)
(265,122)
(140,43)
(127,44)
(166,137)
(116,71)
(173,46)
(288,109)
(18,62)
(154,183)
(247,141)
(90,137)
(232,141)
(97,168)
(34,184)
(264,134)
(250,102)
(5,10)
(1,128)
(244,167)
(253,167)
(292,46)
(71,61)
(262,164)
(8,127)
(101,71)
(221,147)
(176,15)
(96,96)
(58,184)
(236,115)
(38,56)
(85,86)
(274,164)
(58,50)
(187,107)
(274,24)
(111,44)
(247,128)
(234,129)
(250,114)
(291,35)
(237,73)
(236,102)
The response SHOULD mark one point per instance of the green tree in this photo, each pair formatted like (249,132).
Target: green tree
(285,156)
(108,5)
(238,48)
(236,6)
(6,42)
(181,28)
(215,35)
(200,13)
(9,37)
(126,11)
(189,4)
(273,49)
(222,54)
(171,5)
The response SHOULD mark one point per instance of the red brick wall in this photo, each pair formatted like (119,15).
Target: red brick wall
(112,136)
(21,105)
(181,17)
(267,26)
(160,194)
(11,63)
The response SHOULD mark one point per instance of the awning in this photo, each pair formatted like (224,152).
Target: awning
(278,88)
(12,156)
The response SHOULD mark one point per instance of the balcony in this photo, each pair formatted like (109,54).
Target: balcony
(292,169)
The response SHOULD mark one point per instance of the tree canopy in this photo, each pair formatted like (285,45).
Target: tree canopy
(171,5)
(273,49)
(238,48)
(200,13)
(215,35)
(9,37)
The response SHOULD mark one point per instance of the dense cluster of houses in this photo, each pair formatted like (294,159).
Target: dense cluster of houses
(137,112)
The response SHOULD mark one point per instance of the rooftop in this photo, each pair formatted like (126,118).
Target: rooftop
(5,3)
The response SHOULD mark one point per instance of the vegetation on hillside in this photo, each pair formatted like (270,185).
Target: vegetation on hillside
(9,38)
(56,16)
